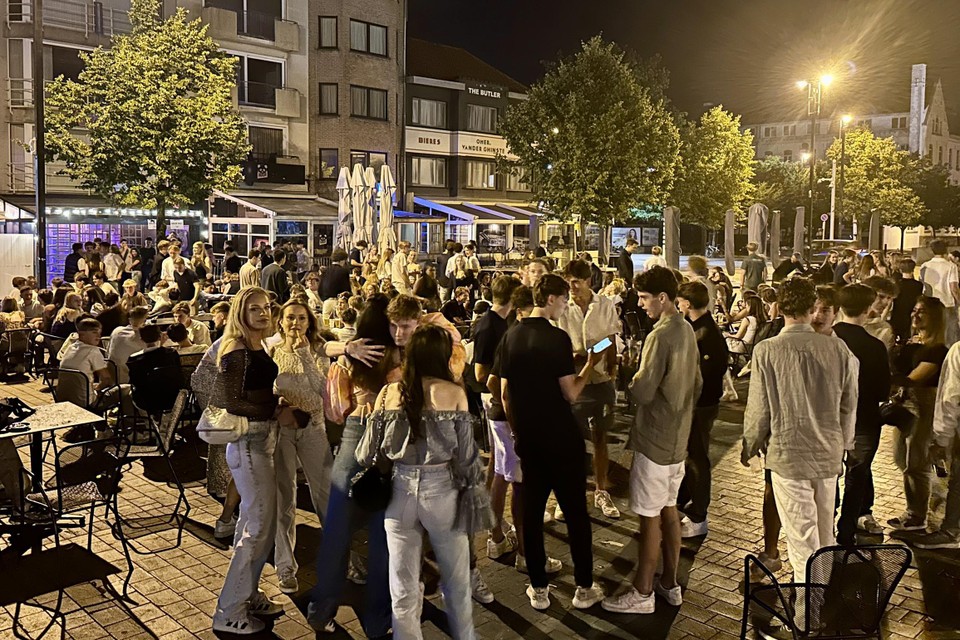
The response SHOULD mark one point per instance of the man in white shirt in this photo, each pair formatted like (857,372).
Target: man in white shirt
(168,268)
(250,271)
(19,282)
(401,276)
(179,338)
(125,341)
(939,278)
(198,332)
(31,307)
(589,319)
(655,260)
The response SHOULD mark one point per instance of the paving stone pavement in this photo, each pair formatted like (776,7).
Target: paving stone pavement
(176,590)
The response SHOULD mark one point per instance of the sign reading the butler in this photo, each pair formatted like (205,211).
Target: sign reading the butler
(486,91)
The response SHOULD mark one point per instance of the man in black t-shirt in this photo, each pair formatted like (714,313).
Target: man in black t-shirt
(356,254)
(874,388)
(188,284)
(487,335)
(908,290)
(539,384)
(336,279)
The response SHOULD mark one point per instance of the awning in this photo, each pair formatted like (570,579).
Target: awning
(482,213)
(273,207)
(411,216)
(85,208)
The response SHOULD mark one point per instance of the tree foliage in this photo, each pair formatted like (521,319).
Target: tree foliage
(779,184)
(716,168)
(931,182)
(150,122)
(877,177)
(592,137)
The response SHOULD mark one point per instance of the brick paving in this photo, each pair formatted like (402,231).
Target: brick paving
(176,590)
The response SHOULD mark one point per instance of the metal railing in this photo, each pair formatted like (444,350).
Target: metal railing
(90,17)
(257,94)
(254,24)
(20,178)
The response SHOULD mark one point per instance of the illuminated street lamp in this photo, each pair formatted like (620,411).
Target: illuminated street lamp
(814,92)
(845,121)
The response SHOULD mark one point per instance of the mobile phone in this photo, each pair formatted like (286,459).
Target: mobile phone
(600,346)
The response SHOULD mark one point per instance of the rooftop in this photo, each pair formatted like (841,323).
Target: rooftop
(443,62)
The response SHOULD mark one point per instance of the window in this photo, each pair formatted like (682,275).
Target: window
(865,124)
(516,181)
(429,172)
(429,113)
(482,119)
(767,154)
(950,161)
(267,142)
(375,159)
(329,99)
(368,38)
(790,130)
(898,123)
(769,132)
(809,129)
(328,32)
(368,103)
(255,18)
(258,80)
(481,174)
(328,164)
(940,155)
(788,155)
(66,62)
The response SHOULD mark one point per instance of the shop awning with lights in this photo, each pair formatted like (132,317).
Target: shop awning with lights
(81,209)
(241,205)
(476,213)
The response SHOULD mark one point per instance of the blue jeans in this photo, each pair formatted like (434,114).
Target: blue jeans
(344,518)
(425,499)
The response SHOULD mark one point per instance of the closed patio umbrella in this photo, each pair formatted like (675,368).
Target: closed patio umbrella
(799,228)
(757,224)
(343,235)
(387,237)
(729,229)
(360,204)
(370,203)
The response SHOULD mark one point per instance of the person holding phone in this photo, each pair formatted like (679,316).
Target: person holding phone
(590,319)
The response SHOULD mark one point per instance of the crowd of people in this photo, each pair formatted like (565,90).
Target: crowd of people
(376,361)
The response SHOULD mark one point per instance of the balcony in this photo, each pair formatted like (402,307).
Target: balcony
(91,18)
(284,101)
(275,170)
(227,24)
(20,178)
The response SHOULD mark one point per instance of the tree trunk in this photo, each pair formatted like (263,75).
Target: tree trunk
(161,221)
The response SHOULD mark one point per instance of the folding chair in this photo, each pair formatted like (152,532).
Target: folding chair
(15,352)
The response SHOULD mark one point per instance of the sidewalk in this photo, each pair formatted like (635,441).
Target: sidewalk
(176,590)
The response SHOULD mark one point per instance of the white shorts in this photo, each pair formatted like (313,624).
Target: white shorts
(653,486)
(505,460)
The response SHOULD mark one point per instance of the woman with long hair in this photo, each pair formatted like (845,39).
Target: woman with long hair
(824,274)
(244,387)
(64,323)
(301,385)
(917,371)
(385,266)
(427,432)
(93,301)
(200,263)
(370,263)
(352,391)
(864,270)
(90,264)
(755,316)
(881,265)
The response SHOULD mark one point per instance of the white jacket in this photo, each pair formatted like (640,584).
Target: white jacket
(946,413)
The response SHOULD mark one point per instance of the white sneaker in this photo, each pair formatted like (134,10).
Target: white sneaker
(558,514)
(584,597)
(223,529)
(510,533)
(630,601)
(261,605)
(481,592)
(539,597)
(691,529)
(242,626)
(553,565)
(603,501)
(288,581)
(673,596)
(498,549)
(869,524)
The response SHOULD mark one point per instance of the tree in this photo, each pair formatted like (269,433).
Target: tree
(150,122)
(780,185)
(592,139)
(876,179)
(716,168)
(931,182)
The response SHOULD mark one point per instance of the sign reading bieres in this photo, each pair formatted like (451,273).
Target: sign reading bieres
(431,141)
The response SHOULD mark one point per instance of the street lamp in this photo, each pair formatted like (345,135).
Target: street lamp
(814,92)
(845,121)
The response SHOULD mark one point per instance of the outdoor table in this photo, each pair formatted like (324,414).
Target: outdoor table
(49,418)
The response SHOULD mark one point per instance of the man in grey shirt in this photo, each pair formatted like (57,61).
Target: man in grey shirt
(665,388)
(754,269)
(801,412)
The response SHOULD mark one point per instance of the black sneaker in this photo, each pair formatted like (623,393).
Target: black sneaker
(938,540)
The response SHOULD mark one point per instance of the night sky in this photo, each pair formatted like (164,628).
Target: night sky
(744,54)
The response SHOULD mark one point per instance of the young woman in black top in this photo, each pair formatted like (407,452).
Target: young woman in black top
(244,387)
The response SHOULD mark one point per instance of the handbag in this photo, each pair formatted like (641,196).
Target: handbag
(372,488)
(219,426)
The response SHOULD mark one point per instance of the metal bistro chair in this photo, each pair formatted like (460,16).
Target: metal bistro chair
(46,346)
(845,596)
(15,352)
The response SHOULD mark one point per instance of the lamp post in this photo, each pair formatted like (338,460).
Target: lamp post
(40,163)
(844,122)
(814,92)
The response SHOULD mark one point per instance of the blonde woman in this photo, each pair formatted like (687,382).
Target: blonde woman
(200,262)
(65,322)
(370,264)
(301,385)
(244,387)
(385,266)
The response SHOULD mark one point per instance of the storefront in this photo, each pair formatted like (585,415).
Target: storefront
(246,221)
(501,231)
